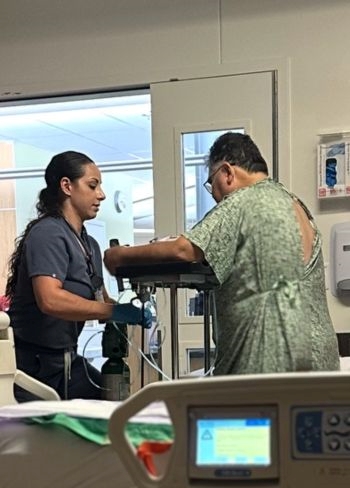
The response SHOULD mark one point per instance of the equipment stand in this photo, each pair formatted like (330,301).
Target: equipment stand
(176,275)
(206,315)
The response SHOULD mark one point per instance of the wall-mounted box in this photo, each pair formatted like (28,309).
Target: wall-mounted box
(333,160)
(339,259)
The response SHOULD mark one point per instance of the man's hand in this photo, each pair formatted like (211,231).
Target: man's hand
(111,258)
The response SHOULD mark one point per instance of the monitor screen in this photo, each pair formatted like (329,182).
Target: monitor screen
(234,442)
(237,442)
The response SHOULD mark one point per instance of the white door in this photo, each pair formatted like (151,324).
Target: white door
(186,118)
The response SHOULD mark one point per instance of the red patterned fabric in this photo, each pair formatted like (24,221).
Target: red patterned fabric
(4,303)
(146,452)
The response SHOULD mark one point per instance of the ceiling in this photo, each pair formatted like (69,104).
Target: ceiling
(109,129)
(106,128)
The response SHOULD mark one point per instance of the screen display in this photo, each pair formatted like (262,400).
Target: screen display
(233,441)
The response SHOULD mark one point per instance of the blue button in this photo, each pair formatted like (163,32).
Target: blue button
(308,432)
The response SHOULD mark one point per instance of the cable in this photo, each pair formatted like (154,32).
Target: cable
(152,363)
(142,354)
(85,361)
(151,359)
(154,331)
(214,333)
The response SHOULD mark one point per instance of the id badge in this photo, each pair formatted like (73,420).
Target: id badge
(97,285)
(99,295)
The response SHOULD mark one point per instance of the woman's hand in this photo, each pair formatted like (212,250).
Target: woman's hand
(127,313)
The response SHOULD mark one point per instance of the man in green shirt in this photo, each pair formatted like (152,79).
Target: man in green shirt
(265,250)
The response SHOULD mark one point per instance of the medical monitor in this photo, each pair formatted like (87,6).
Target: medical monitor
(231,443)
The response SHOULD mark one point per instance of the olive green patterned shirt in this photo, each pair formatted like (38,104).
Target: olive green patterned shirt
(271,308)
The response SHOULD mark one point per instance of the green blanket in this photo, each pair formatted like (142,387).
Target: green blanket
(96,430)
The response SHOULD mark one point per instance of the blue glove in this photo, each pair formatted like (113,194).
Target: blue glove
(127,313)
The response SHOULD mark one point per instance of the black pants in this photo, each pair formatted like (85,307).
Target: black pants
(49,368)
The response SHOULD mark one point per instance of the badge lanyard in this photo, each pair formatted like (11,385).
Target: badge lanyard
(96,281)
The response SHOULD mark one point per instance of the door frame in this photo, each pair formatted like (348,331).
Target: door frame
(280,68)
(178,130)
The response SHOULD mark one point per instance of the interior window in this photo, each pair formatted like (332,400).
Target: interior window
(114,130)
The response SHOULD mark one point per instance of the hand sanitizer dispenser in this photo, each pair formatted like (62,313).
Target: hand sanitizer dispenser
(339,259)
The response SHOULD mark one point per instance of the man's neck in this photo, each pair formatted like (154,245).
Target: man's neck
(243,178)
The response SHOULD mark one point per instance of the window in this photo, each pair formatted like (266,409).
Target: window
(114,130)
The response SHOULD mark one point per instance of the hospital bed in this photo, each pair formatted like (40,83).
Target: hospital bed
(59,444)
(10,375)
(260,431)
(65,444)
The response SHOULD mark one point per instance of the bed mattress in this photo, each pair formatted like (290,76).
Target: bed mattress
(66,444)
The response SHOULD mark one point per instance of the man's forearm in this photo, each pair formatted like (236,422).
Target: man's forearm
(179,249)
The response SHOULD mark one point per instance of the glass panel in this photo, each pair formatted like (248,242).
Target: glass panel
(195,147)
(115,131)
(197,201)
(195,360)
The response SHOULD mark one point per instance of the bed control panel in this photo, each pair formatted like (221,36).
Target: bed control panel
(321,432)
(286,430)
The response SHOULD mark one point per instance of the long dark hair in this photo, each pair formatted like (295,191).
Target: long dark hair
(70,164)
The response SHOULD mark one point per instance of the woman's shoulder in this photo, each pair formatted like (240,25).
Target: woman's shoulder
(47,226)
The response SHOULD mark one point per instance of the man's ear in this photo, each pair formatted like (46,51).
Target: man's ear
(231,174)
(66,185)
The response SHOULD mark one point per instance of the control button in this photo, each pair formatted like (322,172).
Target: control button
(347,445)
(333,444)
(347,419)
(308,433)
(333,419)
(309,421)
(308,444)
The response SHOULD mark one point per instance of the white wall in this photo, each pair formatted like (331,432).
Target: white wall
(314,35)
(87,45)
(84,44)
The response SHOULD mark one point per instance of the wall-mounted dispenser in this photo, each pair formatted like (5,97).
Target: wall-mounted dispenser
(333,157)
(339,259)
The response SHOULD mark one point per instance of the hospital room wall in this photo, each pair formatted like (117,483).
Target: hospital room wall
(313,36)
(137,42)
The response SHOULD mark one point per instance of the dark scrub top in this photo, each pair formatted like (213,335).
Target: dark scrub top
(51,249)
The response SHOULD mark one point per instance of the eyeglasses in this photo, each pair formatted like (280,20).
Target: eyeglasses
(208,185)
